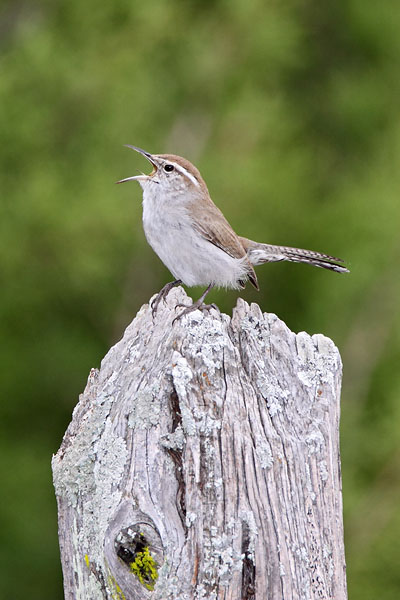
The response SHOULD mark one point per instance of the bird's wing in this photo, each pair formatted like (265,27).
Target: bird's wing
(217,231)
(221,235)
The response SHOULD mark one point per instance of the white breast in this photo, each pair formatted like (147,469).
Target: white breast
(189,257)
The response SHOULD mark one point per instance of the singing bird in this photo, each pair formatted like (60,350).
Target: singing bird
(194,240)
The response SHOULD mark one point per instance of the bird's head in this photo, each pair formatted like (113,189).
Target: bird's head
(172,173)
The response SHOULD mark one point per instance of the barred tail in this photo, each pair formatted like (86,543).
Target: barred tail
(262,253)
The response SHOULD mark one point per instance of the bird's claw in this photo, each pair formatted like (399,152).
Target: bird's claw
(162,294)
(191,307)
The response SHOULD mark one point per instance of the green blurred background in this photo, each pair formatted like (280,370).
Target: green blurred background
(292,113)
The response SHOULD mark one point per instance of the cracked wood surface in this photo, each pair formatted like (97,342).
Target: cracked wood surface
(215,444)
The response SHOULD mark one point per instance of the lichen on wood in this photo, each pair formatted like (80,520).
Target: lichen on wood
(211,445)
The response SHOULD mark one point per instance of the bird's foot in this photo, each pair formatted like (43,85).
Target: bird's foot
(162,294)
(191,307)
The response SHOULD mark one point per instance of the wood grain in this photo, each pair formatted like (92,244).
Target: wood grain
(214,443)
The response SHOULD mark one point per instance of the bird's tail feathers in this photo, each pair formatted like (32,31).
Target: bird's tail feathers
(262,253)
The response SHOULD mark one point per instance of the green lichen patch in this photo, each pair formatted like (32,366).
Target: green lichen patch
(145,568)
(116,592)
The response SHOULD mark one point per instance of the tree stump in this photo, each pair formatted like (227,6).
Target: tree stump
(202,462)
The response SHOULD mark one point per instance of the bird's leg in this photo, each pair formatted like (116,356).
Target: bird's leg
(162,294)
(196,305)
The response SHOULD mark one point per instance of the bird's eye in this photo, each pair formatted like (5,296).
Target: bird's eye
(168,168)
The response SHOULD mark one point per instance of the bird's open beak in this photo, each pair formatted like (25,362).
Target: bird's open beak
(140,177)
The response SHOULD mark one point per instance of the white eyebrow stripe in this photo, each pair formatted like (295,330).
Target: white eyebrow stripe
(186,173)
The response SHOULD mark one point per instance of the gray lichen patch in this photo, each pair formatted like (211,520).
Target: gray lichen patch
(111,457)
(315,441)
(181,373)
(220,560)
(181,376)
(264,453)
(271,389)
(318,359)
(146,408)
(175,440)
(205,338)
(73,469)
(323,470)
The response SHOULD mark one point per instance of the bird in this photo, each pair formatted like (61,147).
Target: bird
(194,240)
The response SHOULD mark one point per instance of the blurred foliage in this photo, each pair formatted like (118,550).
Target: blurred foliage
(291,112)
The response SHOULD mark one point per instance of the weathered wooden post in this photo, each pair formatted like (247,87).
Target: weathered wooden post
(202,462)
